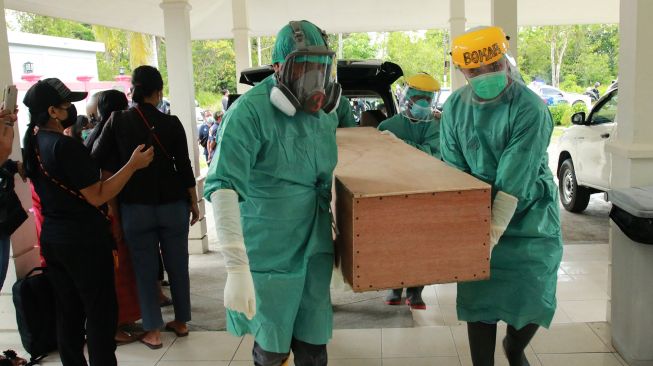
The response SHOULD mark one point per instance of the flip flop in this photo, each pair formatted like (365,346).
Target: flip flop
(165,303)
(177,333)
(150,345)
(131,338)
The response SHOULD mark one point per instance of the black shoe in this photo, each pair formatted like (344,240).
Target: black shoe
(522,362)
(394,297)
(414,298)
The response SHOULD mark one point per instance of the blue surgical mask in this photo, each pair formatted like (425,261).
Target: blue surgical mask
(421,110)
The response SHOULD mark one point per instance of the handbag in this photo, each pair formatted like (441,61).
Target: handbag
(12,214)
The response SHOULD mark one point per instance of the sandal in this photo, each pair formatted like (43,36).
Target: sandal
(130,338)
(177,332)
(150,345)
(11,359)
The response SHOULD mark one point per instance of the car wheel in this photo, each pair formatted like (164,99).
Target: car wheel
(574,198)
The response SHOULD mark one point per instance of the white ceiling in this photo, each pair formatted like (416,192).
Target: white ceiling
(212,19)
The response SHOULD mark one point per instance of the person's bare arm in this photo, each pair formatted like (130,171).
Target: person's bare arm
(194,206)
(7,133)
(102,191)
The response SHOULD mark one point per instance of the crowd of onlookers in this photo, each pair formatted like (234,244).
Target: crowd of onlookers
(113,197)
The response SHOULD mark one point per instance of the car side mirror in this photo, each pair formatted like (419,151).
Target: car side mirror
(578,118)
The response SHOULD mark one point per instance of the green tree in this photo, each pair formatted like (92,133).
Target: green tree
(358,46)
(416,52)
(214,64)
(38,24)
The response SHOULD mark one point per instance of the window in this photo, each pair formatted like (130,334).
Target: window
(606,112)
(551,92)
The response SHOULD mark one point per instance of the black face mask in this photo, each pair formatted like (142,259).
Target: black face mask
(72,117)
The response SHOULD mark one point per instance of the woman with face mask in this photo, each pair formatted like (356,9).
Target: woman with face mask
(75,237)
(498,130)
(416,126)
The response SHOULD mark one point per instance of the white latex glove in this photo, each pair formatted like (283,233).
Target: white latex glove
(239,292)
(503,209)
(388,133)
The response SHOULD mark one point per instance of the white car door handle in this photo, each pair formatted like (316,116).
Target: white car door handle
(605,135)
(579,138)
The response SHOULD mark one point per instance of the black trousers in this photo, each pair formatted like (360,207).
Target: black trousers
(83,282)
(306,354)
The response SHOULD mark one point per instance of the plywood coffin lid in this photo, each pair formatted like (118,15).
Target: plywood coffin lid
(371,164)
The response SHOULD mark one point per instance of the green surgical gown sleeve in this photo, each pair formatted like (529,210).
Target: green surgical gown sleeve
(450,148)
(238,144)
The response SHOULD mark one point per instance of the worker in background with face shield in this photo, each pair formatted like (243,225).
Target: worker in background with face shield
(416,126)
(270,185)
(498,130)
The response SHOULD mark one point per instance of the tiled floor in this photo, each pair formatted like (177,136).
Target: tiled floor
(579,335)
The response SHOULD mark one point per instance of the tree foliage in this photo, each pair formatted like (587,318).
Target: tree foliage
(214,65)
(572,57)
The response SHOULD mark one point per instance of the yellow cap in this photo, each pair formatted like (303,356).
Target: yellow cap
(423,82)
(479,47)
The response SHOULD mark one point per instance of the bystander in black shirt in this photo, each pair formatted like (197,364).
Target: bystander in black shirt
(165,180)
(67,218)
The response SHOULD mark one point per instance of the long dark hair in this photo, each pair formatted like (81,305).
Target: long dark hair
(108,101)
(30,162)
(146,80)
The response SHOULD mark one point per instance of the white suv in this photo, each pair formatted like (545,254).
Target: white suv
(584,165)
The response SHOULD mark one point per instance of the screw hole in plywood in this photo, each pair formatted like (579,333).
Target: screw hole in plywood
(358,252)
(459,192)
(358,235)
(455,277)
(380,198)
(357,218)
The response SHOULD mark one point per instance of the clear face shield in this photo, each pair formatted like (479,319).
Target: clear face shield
(311,78)
(418,105)
(489,81)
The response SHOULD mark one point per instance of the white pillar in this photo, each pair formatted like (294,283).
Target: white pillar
(504,15)
(23,241)
(456,27)
(340,46)
(176,22)
(242,43)
(631,152)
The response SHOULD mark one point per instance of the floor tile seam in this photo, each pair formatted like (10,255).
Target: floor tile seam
(242,339)
(610,346)
(167,350)
(454,345)
(575,353)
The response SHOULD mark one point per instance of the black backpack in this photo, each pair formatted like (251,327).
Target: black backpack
(35,314)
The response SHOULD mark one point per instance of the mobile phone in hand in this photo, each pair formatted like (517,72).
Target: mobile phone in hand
(10,98)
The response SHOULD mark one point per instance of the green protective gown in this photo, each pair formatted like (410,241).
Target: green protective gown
(345,113)
(282,169)
(504,143)
(421,135)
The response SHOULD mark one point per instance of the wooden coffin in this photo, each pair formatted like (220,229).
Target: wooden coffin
(404,217)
